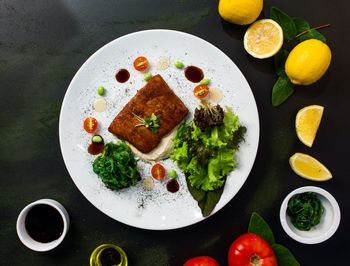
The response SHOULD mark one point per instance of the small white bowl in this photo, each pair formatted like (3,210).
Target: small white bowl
(329,221)
(30,242)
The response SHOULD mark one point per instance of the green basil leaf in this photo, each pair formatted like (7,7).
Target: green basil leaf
(285,21)
(301,24)
(258,226)
(281,91)
(312,34)
(280,60)
(284,256)
(197,194)
(207,200)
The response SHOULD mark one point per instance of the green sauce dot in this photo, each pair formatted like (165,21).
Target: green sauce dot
(172,174)
(101,90)
(179,65)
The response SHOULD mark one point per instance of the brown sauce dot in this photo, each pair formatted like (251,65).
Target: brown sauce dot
(194,74)
(122,75)
(173,186)
(95,148)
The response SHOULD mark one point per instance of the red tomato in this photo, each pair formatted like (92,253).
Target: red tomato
(251,250)
(201,261)
(201,91)
(158,171)
(90,124)
(141,63)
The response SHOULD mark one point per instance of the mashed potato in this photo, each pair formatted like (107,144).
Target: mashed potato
(162,151)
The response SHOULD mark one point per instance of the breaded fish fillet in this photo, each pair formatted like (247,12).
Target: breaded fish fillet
(155,97)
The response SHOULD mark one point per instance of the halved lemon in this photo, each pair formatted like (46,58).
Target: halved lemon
(308,167)
(263,39)
(307,122)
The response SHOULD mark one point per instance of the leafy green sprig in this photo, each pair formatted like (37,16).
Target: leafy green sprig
(293,29)
(152,122)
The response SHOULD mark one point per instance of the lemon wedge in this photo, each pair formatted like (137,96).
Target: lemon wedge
(263,39)
(307,122)
(308,167)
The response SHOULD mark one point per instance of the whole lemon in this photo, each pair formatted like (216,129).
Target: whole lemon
(241,12)
(308,62)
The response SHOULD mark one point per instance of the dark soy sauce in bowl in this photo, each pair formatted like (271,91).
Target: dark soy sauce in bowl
(44,223)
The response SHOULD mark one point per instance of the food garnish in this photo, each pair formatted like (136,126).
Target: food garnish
(95,148)
(163,63)
(100,105)
(122,75)
(179,65)
(158,171)
(307,122)
(172,174)
(101,90)
(194,74)
(97,139)
(263,39)
(205,81)
(117,166)
(305,210)
(147,76)
(152,122)
(148,183)
(141,63)
(90,124)
(216,95)
(207,158)
(208,116)
(173,186)
(201,91)
(308,167)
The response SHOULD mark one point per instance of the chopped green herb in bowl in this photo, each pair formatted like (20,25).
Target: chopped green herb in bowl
(305,210)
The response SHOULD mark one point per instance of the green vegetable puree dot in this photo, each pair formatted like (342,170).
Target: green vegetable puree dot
(101,90)
(179,65)
(172,174)
(205,81)
(97,139)
(147,76)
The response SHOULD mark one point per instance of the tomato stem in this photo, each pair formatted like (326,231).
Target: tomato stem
(255,260)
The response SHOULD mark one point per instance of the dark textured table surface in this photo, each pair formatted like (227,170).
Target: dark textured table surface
(42,45)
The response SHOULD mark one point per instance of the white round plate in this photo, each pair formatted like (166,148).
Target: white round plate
(157,209)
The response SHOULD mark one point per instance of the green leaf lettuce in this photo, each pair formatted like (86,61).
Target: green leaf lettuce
(204,156)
